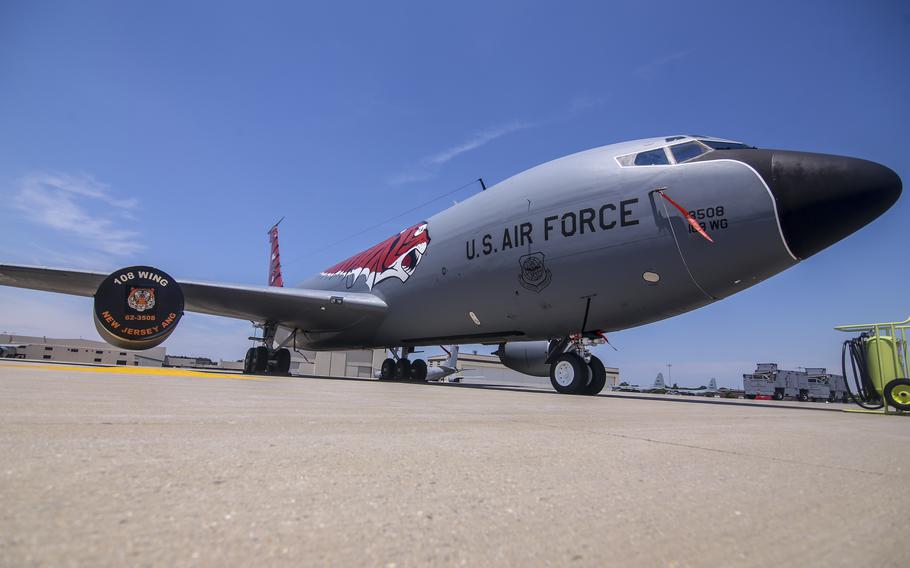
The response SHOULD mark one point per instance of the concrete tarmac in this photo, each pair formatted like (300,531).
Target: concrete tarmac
(126,467)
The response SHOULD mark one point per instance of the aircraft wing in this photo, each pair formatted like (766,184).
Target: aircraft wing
(308,309)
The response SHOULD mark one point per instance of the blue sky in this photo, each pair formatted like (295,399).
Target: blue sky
(175,133)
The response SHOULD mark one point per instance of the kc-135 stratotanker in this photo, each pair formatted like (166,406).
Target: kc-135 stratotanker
(544,263)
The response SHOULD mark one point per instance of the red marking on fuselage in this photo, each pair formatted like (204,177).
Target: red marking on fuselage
(378,262)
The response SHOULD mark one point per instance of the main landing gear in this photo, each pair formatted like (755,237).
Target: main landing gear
(403,369)
(260,361)
(573,370)
(265,361)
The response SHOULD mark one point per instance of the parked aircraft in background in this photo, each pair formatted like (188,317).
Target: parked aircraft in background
(710,390)
(660,387)
(657,387)
(602,240)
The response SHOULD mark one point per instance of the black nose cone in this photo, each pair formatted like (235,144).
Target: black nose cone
(821,198)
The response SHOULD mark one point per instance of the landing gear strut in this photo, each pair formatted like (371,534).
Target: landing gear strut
(573,370)
(264,360)
(403,369)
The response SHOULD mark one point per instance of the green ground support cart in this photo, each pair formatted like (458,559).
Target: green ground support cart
(878,358)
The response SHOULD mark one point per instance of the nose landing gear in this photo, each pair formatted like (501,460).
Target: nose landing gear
(575,370)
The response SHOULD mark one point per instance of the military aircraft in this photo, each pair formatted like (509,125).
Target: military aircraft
(657,387)
(710,390)
(606,239)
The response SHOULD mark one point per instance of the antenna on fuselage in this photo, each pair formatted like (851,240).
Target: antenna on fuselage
(483,186)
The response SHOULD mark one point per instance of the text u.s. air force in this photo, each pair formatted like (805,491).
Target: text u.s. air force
(571,224)
(566,225)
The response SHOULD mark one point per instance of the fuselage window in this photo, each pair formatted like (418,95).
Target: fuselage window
(687,151)
(652,158)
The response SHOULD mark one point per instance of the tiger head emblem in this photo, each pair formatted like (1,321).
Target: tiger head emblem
(395,257)
(141,299)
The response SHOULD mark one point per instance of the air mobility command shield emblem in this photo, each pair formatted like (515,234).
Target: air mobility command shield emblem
(535,276)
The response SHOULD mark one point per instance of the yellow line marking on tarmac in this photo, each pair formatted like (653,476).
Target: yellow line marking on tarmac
(882,412)
(141,371)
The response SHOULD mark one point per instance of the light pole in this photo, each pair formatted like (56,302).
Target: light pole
(669,374)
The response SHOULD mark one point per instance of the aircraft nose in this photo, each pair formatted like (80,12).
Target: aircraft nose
(822,198)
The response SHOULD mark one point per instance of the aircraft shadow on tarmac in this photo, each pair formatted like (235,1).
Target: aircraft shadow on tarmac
(510,388)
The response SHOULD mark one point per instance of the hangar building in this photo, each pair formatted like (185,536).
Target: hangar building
(81,351)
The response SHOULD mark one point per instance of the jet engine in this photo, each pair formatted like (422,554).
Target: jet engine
(528,357)
(137,307)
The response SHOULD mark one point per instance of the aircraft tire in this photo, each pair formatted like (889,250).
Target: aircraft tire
(598,377)
(248,361)
(419,370)
(260,361)
(569,374)
(387,370)
(283,361)
(402,369)
(777,396)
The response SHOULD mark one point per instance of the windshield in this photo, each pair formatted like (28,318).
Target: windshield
(721,145)
(678,153)
(687,151)
(655,157)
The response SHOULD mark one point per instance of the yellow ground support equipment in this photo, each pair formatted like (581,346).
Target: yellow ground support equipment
(878,359)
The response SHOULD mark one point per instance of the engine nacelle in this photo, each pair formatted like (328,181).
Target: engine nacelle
(528,357)
(137,307)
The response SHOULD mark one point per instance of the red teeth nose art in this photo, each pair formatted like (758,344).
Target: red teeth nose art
(395,257)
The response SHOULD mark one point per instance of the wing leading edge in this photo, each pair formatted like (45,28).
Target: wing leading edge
(307,309)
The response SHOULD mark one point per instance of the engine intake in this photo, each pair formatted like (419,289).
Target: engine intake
(137,307)
(528,357)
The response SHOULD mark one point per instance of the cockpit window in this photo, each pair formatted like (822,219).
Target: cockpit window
(720,145)
(655,157)
(678,153)
(687,151)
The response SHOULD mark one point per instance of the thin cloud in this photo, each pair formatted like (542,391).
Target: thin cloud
(475,142)
(652,69)
(411,177)
(68,205)
(428,166)
(584,103)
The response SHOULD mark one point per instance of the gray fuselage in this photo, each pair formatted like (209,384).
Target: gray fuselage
(579,242)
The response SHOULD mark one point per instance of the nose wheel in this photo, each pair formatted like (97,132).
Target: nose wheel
(573,370)
(569,374)
(598,377)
